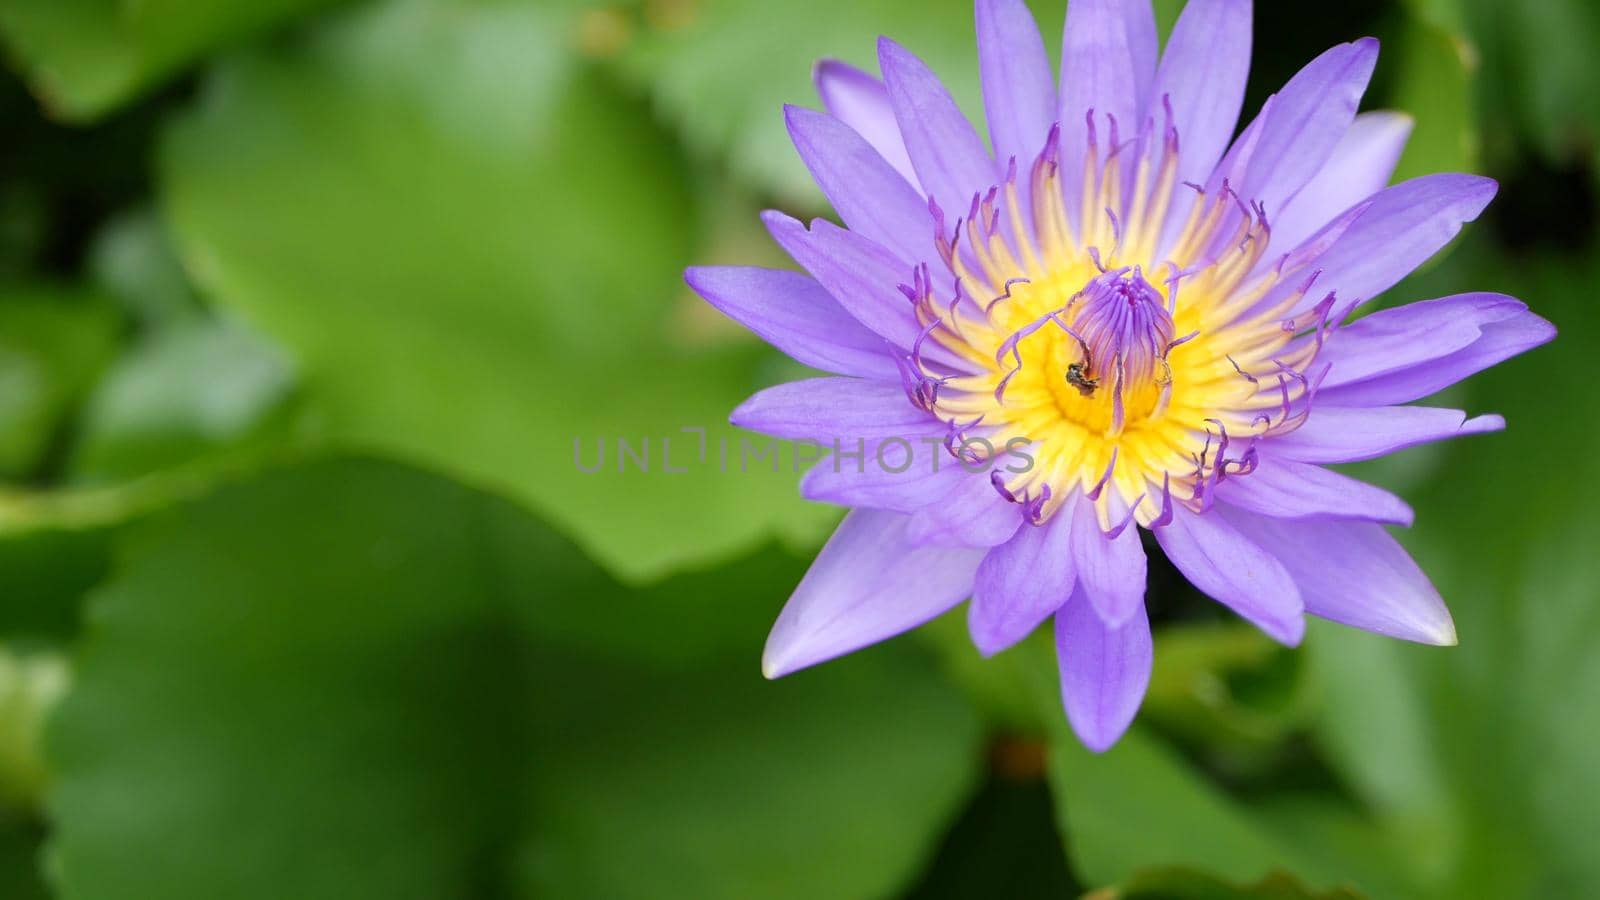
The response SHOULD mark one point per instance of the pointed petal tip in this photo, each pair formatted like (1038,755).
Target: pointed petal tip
(1484,424)
(1098,729)
(828,64)
(1104,673)
(1382,127)
(1096,738)
(899,64)
(1461,186)
(982,635)
(777,662)
(1544,330)
(1393,118)
(987,646)
(1430,625)
(786,653)
(829,69)
(992,631)
(1480,187)
(795,116)
(691,276)
(777,218)
(1440,633)
(755,413)
(1447,637)
(1288,633)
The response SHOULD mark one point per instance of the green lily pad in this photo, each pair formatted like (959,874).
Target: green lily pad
(723,71)
(54,342)
(84,58)
(1433,77)
(1478,759)
(185,394)
(472,243)
(355,680)
(1186,884)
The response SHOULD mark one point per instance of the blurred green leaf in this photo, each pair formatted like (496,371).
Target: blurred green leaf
(1339,837)
(1184,884)
(191,405)
(53,344)
(1543,75)
(1479,759)
(1447,15)
(44,573)
(1013,689)
(685,55)
(1005,844)
(1226,687)
(714,785)
(1433,83)
(133,260)
(342,681)
(473,244)
(86,57)
(185,393)
(57,543)
(1139,805)
(30,685)
(648,624)
(20,875)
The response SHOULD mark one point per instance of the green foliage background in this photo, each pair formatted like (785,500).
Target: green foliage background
(302,305)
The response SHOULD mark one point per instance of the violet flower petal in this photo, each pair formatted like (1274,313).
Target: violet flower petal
(1395,231)
(1359,167)
(862,276)
(1111,571)
(950,159)
(1402,354)
(1019,92)
(860,101)
(1108,62)
(796,315)
(1338,434)
(1021,583)
(1354,573)
(829,409)
(973,514)
(1286,489)
(1104,671)
(865,586)
(903,474)
(1202,74)
(1305,121)
(1235,571)
(869,195)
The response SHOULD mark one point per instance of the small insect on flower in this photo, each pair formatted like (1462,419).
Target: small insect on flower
(1160,309)
(1076,377)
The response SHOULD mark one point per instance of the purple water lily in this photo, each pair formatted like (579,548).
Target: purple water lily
(1122,318)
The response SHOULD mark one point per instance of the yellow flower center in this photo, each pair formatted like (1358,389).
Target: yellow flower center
(1140,368)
